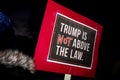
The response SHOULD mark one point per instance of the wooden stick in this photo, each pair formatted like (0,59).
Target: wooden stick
(67,77)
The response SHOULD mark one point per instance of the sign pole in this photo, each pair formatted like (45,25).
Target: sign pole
(67,77)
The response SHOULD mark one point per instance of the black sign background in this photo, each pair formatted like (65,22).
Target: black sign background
(86,60)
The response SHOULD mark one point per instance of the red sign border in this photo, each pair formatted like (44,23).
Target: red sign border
(44,39)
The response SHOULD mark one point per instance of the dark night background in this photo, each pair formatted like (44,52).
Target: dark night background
(26,17)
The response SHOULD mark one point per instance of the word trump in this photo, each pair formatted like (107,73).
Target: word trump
(70,30)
